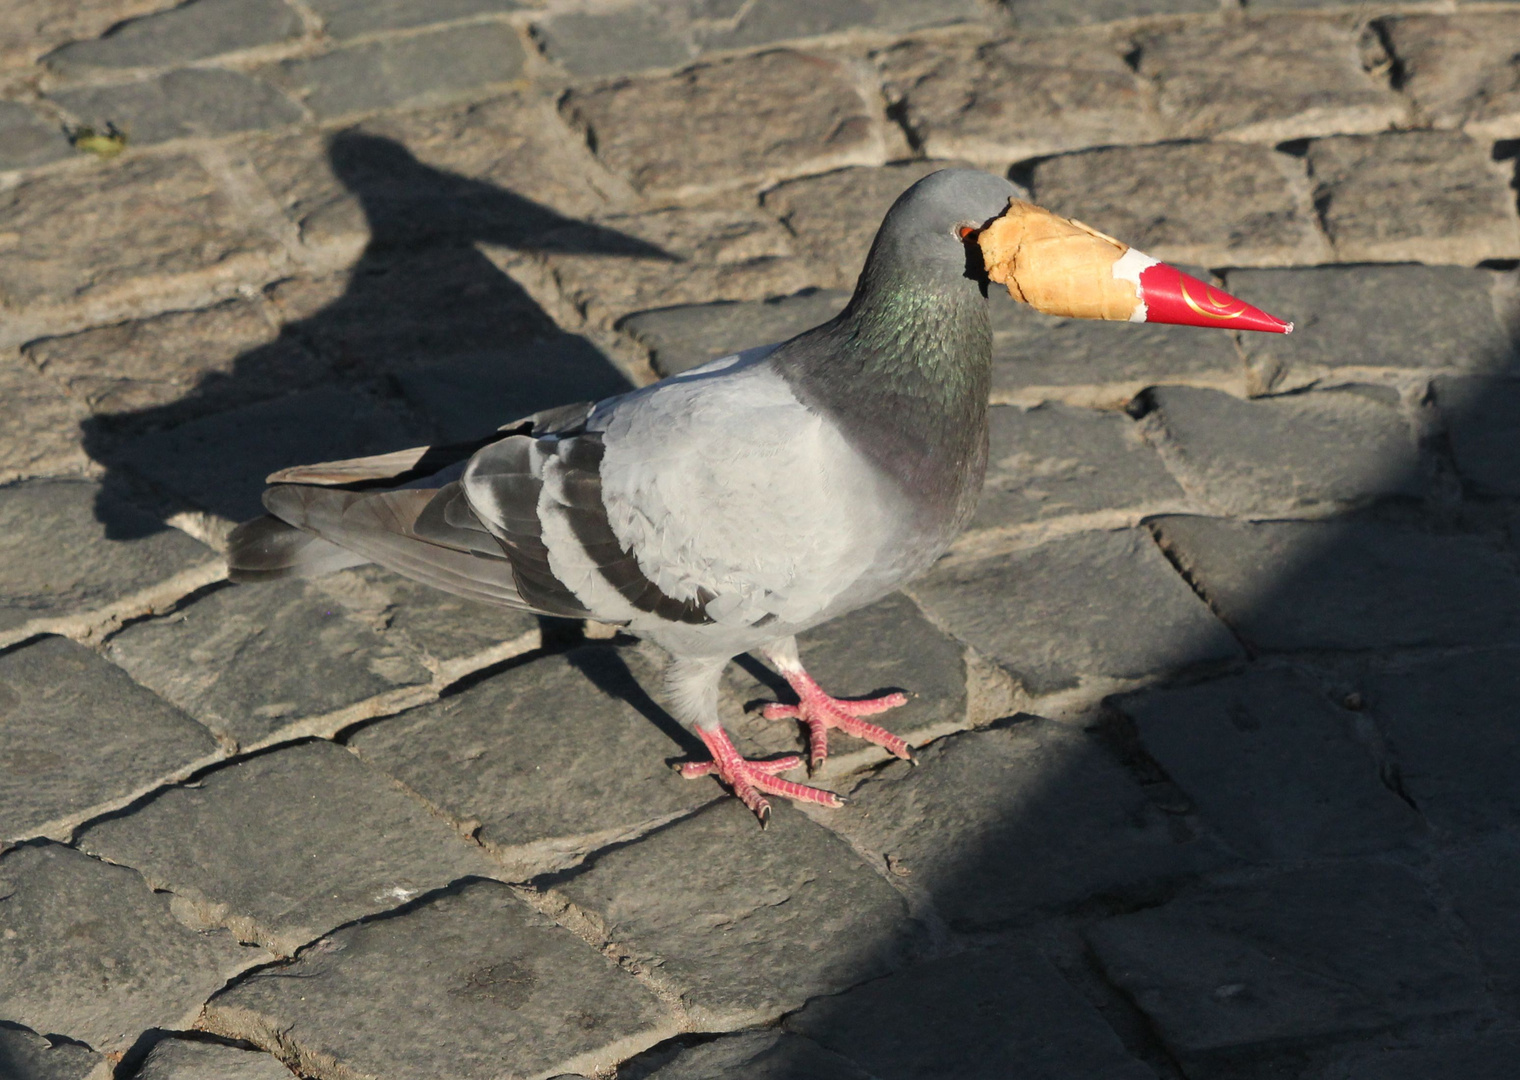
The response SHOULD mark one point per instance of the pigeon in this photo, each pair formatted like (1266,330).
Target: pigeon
(728,508)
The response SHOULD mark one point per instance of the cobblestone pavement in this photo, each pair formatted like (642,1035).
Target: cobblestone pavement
(1218,696)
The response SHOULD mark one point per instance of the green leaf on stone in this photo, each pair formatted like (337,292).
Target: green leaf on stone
(103,144)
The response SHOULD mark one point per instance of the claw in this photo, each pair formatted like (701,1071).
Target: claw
(749,779)
(819,712)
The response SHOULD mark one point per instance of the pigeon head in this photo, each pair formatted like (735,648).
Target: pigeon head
(931,229)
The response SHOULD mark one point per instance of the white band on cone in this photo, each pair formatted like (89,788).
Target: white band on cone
(1128,267)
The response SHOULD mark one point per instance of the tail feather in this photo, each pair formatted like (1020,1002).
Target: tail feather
(268,549)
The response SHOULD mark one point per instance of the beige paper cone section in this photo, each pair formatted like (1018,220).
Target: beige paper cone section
(1056,265)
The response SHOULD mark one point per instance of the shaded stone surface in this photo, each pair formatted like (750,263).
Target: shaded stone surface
(1285,455)
(1035,356)
(1226,204)
(1093,604)
(748,119)
(183,104)
(284,846)
(1004,101)
(979,1016)
(178,35)
(544,756)
(520,995)
(77,732)
(686,256)
(163,360)
(1267,80)
(417,70)
(28,1056)
(219,462)
(180,1059)
(84,234)
(998,827)
(834,216)
(755,1055)
(1054,461)
(1289,956)
(1276,769)
(248,660)
(1481,417)
(1484,884)
(888,645)
(1483,1057)
(95,956)
(1399,317)
(59,557)
(1430,196)
(680,338)
(600,44)
(1346,585)
(1461,70)
(742,939)
(347,18)
(26,140)
(1451,727)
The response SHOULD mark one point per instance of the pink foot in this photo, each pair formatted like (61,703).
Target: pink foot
(820,712)
(749,779)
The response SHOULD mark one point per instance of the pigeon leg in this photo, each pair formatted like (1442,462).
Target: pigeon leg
(753,780)
(819,711)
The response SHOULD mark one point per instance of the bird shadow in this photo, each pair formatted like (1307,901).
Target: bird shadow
(422,339)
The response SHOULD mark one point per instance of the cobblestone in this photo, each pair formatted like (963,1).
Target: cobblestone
(1054,461)
(340,227)
(504,988)
(1274,767)
(71,546)
(79,733)
(941,1018)
(24,1053)
(1460,70)
(1294,585)
(1098,604)
(680,338)
(179,35)
(282,847)
(756,1055)
(1289,455)
(998,826)
(26,139)
(1224,205)
(835,216)
(1400,318)
(107,235)
(1265,80)
(181,1059)
(343,19)
(1478,414)
(426,69)
(1459,211)
(1447,725)
(533,794)
(1291,956)
(217,659)
(1037,358)
(1004,101)
(741,939)
(95,956)
(182,104)
(750,120)
(187,359)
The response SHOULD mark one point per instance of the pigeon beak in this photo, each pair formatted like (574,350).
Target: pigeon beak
(1062,267)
